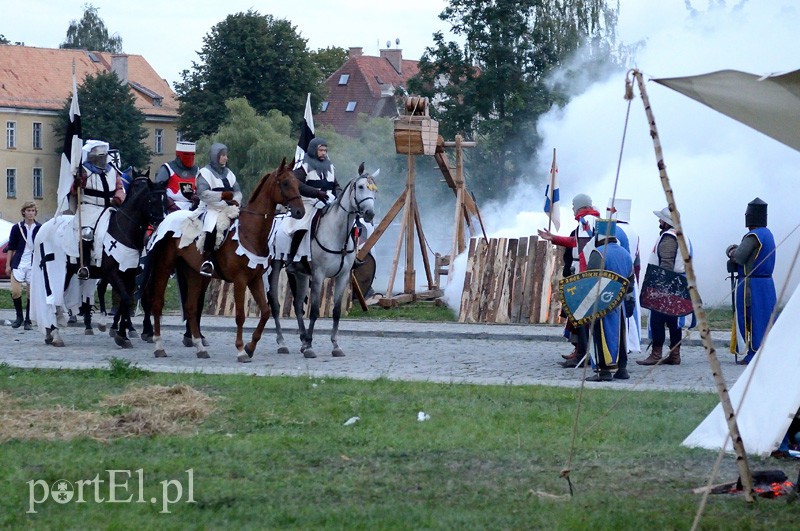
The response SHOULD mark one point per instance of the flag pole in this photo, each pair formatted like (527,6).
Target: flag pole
(551,192)
(697,303)
(78,193)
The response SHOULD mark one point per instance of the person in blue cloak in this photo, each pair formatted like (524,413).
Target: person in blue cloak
(608,333)
(755,289)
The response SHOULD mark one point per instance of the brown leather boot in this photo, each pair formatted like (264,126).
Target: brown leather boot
(572,355)
(674,357)
(653,359)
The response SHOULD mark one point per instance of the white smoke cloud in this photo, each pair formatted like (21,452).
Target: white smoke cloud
(715,164)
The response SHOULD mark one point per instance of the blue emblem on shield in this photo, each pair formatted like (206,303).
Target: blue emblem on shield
(591,294)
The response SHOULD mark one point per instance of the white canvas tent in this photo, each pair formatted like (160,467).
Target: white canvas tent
(771,105)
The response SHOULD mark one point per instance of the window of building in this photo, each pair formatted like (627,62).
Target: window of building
(11,183)
(159,147)
(351,106)
(179,136)
(344,78)
(38,185)
(324,106)
(11,135)
(37,135)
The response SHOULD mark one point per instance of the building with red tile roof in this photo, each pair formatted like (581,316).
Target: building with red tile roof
(364,84)
(35,83)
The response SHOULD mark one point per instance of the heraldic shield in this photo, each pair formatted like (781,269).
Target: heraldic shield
(591,294)
(665,291)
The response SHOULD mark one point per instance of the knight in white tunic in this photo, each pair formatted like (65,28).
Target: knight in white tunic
(218,191)
(318,185)
(100,187)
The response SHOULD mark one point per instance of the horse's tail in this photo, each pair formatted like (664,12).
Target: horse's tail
(144,285)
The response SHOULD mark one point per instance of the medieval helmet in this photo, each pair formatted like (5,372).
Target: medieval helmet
(756,213)
(185,151)
(96,153)
(665,216)
(605,229)
(580,201)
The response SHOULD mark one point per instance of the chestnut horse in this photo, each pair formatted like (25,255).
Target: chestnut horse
(241,259)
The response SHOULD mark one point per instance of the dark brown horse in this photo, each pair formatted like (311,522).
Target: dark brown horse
(241,259)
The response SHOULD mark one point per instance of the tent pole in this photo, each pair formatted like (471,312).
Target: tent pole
(697,303)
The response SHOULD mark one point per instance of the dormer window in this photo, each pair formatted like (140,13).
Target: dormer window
(351,106)
(344,78)
(324,106)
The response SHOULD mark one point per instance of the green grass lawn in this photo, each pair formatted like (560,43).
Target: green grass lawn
(276,454)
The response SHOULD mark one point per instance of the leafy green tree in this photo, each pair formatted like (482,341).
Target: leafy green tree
(3,39)
(90,33)
(329,59)
(109,113)
(256,143)
(247,55)
(497,83)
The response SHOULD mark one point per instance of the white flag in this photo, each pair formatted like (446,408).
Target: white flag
(71,156)
(551,193)
(306,134)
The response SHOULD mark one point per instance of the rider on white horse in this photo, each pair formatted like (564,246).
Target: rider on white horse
(218,192)
(100,187)
(318,185)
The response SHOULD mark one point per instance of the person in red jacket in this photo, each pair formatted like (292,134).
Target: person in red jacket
(579,242)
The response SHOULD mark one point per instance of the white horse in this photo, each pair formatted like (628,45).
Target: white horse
(333,251)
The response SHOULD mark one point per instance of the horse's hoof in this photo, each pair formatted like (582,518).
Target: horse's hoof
(203,354)
(309,353)
(283,350)
(48,340)
(244,357)
(88,332)
(111,332)
(101,327)
(187,341)
(160,353)
(147,338)
(58,343)
(122,341)
(250,350)
(337,353)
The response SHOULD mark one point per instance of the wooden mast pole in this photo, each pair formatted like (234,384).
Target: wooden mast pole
(697,303)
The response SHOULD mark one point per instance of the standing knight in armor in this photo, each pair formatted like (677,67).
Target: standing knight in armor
(178,177)
(754,258)
(317,186)
(99,187)
(217,188)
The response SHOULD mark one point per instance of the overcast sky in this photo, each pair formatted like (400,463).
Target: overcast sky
(169,34)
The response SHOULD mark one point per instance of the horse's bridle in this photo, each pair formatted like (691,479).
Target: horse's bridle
(358,203)
(345,251)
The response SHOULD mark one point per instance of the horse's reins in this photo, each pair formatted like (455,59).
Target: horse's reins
(351,186)
(264,215)
(120,210)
